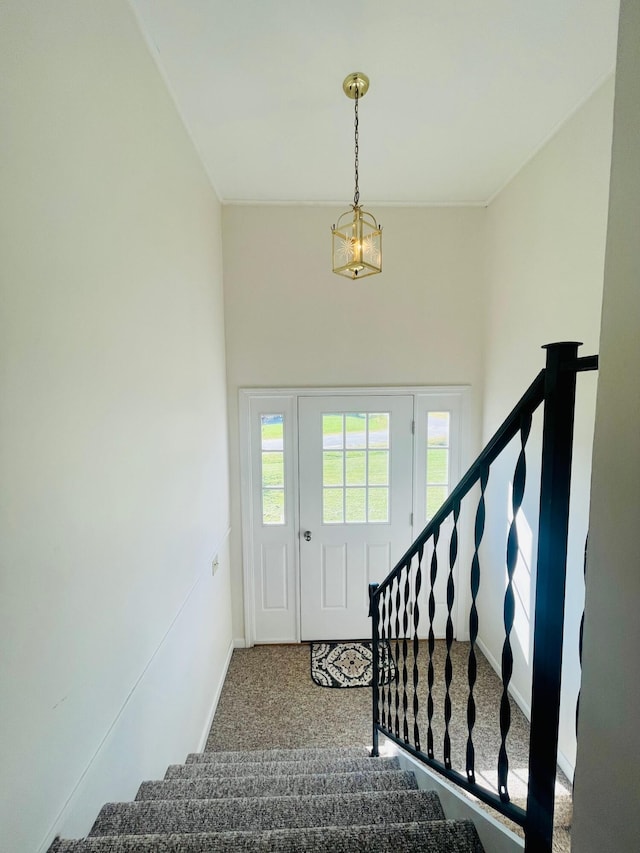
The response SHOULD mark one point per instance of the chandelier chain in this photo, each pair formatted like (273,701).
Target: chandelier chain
(356,194)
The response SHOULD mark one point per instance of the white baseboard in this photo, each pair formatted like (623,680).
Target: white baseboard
(214,705)
(522,703)
(239,643)
(564,763)
(566,766)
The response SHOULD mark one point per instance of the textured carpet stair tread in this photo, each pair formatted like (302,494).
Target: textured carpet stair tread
(412,837)
(259,755)
(259,813)
(281,768)
(274,786)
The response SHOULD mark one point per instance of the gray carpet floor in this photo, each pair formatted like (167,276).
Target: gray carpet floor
(269,700)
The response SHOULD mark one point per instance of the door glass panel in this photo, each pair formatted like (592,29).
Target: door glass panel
(272,468)
(438,465)
(355,468)
(356,500)
(356,430)
(378,505)
(332,432)
(332,462)
(273,506)
(436,496)
(379,429)
(379,467)
(272,432)
(438,429)
(332,506)
(438,452)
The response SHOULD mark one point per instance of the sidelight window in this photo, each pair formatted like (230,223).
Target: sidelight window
(272,459)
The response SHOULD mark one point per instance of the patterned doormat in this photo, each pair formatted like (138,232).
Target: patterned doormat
(350,664)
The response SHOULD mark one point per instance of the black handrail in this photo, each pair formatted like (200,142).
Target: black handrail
(585,363)
(555,385)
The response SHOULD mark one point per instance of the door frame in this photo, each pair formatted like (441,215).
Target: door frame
(247,398)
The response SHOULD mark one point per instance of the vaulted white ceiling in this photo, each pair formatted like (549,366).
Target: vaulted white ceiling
(463,92)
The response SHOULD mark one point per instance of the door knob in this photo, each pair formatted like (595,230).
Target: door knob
(307,535)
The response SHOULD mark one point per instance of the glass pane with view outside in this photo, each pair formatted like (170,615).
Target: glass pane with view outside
(378,508)
(272,459)
(355,467)
(437,461)
(356,430)
(378,425)
(355,506)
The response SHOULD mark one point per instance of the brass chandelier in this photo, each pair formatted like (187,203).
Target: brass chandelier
(356,236)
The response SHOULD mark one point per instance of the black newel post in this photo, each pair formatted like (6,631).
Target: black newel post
(557,441)
(375,660)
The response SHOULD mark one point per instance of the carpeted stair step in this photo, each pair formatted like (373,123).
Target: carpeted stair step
(280,768)
(416,837)
(276,786)
(259,813)
(259,755)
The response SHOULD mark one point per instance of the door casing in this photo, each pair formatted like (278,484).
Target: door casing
(250,401)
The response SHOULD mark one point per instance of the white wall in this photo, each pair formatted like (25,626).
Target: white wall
(545,255)
(606,814)
(113,468)
(291,322)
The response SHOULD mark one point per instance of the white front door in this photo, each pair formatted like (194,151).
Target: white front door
(355,457)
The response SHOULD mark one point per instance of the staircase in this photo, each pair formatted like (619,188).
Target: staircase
(325,800)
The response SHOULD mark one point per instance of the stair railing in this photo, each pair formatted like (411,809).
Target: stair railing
(396,614)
